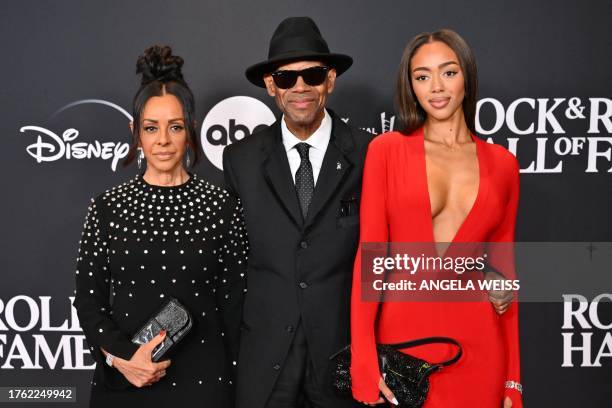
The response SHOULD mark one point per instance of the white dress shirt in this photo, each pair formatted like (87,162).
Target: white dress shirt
(318,142)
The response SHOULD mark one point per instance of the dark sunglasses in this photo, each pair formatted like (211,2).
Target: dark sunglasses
(313,76)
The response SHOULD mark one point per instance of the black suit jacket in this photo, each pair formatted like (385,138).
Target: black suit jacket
(299,271)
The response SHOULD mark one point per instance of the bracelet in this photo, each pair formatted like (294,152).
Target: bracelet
(514,385)
(109,359)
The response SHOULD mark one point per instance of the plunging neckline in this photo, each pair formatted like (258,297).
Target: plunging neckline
(479,190)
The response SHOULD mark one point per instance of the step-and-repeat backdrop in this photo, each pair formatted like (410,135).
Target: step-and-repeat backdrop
(68,77)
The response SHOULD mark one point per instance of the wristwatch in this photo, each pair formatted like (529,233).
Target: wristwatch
(109,359)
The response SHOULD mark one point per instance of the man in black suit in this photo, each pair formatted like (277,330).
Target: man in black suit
(299,181)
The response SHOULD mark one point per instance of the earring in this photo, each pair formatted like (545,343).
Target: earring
(187,159)
(139,157)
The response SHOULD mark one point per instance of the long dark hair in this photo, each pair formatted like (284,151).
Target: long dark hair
(161,74)
(411,114)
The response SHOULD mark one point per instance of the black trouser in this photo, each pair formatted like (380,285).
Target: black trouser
(297,385)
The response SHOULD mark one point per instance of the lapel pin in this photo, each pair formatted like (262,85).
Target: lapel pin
(338,166)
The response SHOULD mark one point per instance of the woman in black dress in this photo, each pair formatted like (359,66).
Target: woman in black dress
(165,233)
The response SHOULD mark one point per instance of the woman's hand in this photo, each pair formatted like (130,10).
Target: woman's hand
(507,402)
(140,370)
(382,386)
(500,299)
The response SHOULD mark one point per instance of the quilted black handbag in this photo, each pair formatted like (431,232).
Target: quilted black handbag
(405,375)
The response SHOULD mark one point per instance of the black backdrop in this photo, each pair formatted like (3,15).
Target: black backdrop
(57,53)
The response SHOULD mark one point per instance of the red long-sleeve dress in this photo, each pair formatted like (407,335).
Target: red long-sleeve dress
(395,207)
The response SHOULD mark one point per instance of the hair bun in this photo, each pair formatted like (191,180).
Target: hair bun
(158,64)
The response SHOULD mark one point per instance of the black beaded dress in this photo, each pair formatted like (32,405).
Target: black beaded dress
(142,244)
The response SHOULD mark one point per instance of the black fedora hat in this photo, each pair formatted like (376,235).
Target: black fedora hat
(295,39)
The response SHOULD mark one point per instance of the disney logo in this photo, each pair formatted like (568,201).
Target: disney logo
(56,147)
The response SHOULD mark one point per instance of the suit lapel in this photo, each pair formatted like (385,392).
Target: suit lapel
(335,168)
(277,173)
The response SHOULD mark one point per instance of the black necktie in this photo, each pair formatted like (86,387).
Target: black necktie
(304,179)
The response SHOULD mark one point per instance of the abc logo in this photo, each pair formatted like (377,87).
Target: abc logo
(231,120)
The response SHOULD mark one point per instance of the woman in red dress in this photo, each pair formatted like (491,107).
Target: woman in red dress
(437,182)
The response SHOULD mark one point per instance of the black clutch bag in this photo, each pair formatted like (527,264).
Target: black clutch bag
(405,375)
(175,319)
